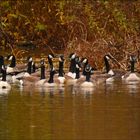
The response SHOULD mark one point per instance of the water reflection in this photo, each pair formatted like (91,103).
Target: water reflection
(105,112)
(53,90)
(41,90)
(132,87)
(77,90)
(4,91)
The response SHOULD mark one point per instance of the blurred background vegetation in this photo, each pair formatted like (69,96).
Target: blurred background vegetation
(89,27)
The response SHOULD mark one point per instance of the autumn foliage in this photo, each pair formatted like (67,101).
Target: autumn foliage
(91,28)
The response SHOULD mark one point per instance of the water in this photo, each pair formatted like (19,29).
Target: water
(110,112)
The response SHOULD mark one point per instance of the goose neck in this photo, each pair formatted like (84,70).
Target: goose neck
(51,79)
(3,75)
(13,62)
(42,72)
(88,75)
(61,65)
(72,66)
(29,67)
(132,66)
(50,61)
(107,65)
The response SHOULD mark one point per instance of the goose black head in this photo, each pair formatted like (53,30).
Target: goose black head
(133,58)
(10,57)
(61,58)
(29,59)
(107,56)
(50,56)
(84,61)
(72,56)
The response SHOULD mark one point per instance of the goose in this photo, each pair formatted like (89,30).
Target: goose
(42,75)
(110,74)
(9,75)
(84,62)
(88,83)
(117,73)
(50,60)
(3,83)
(72,80)
(27,78)
(25,73)
(132,76)
(61,72)
(13,74)
(72,67)
(13,66)
(107,65)
(35,70)
(51,82)
(30,70)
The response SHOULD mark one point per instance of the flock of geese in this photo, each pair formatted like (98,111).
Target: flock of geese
(79,74)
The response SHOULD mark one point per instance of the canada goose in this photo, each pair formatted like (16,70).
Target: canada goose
(35,70)
(78,67)
(50,60)
(28,70)
(27,78)
(132,76)
(88,72)
(42,75)
(10,73)
(116,73)
(72,80)
(72,67)
(61,72)
(13,66)
(107,65)
(3,83)
(84,63)
(13,75)
(51,82)
(110,74)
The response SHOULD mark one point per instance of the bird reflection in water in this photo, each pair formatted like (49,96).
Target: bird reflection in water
(133,87)
(4,92)
(51,91)
(84,91)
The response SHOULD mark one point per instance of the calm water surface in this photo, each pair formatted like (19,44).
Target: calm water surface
(110,112)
